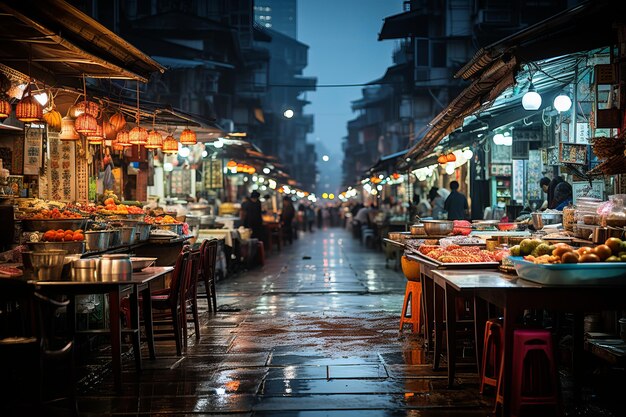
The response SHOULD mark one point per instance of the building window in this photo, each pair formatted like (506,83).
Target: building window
(422,53)
(438,54)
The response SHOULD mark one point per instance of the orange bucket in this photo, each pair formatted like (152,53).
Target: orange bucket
(411,269)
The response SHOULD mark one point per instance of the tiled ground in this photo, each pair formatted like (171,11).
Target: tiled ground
(313,333)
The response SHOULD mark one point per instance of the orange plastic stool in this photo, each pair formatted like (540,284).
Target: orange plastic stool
(534,380)
(492,354)
(412,295)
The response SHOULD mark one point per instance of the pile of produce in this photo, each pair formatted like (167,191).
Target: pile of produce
(460,254)
(61,235)
(167,219)
(53,214)
(613,250)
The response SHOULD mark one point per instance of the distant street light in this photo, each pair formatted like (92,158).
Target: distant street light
(325,158)
(288,113)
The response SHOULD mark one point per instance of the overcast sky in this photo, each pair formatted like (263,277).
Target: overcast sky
(342,36)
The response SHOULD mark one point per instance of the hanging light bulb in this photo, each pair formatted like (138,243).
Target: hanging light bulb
(562,103)
(507,140)
(498,139)
(531,100)
(450,168)
(468,154)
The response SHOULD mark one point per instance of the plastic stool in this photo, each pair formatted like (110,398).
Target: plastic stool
(366,234)
(534,380)
(492,354)
(413,295)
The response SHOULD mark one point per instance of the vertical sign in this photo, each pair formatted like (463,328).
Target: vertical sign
(32,150)
(213,174)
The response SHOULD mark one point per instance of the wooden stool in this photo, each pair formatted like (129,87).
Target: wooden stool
(492,354)
(413,295)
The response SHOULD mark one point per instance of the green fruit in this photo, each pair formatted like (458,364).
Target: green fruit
(621,254)
(622,258)
(526,247)
(612,259)
(622,247)
(543,249)
(515,250)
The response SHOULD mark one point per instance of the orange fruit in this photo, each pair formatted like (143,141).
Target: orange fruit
(603,252)
(614,243)
(79,237)
(584,249)
(589,257)
(569,257)
(559,251)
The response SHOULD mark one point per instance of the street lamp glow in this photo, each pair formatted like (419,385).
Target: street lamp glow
(184,152)
(325,158)
(266,170)
(288,113)
(324,195)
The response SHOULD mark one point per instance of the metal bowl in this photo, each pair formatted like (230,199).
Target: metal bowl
(40,225)
(128,235)
(46,265)
(438,227)
(143,231)
(418,229)
(69,247)
(141,263)
(542,219)
(485,224)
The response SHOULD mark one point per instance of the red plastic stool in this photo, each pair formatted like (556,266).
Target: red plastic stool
(492,354)
(413,295)
(534,380)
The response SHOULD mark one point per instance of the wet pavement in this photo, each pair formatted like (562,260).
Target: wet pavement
(312,333)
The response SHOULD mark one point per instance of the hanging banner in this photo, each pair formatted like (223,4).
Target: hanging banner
(32,150)
(61,169)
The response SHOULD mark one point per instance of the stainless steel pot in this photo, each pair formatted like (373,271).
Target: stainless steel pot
(97,241)
(417,229)
(142,230)
(438,227)
(84,270)
(118,266)
(128,235)
(116,238)
(46,266)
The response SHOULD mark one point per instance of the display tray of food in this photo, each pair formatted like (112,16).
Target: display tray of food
(44,224)
(455,256)
(597,273)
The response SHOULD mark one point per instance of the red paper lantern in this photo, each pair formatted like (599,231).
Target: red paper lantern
(96,137)
(5,109)
(451,157)
(28,110)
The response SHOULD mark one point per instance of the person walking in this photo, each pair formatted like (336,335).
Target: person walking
(437,199)
(456,203)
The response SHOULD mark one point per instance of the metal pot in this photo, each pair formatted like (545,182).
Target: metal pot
(438,227)
(46,266)
(142,229)
(118,266)
(97,241)
(418,229)
(128,235)
(116,238)
(84,270)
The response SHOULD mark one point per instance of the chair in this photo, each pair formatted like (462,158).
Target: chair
(29,348)
(191,274)
(169,303)
(492,354)
(208,260)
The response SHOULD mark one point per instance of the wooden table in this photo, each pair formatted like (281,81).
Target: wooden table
(513,295)
(115,287)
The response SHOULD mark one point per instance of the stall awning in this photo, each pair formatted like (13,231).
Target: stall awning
(405,25)
(387,161)
(584,27)
(494,68)
(56,43)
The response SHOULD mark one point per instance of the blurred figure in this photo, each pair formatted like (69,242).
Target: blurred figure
(286,218)
(544,183)
(310,218)
(252,216)
(456,203)
(423,207)
(438,198)
(562,195)
(551,191)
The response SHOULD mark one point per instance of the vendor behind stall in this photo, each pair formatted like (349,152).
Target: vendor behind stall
(252,215)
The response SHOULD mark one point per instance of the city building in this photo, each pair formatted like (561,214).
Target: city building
(278,15)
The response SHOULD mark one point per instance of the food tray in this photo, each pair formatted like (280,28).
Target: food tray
(458,265)
(601,273)
(43,225)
